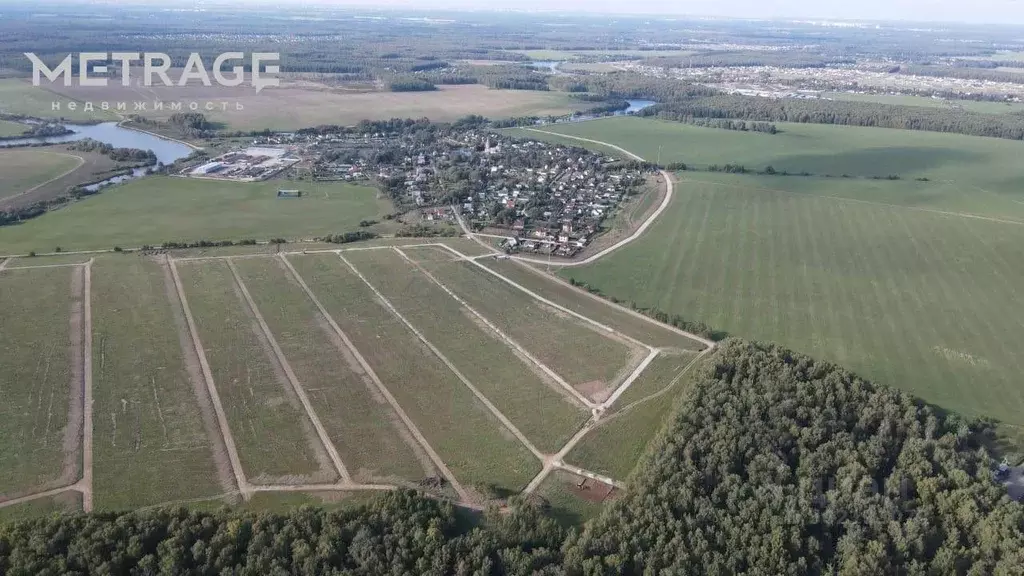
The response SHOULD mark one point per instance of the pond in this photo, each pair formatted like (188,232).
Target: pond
(636,106)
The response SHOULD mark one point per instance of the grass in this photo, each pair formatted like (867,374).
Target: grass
(542,413)
(568,507)
(574,299)
(467,437)
(616,446)
(9,129)
(64,503)
(150,444)
(658,375)
(25,168)
(270,428)
(36,373)
(983,107)
(54,260)
(162,208)
(21,97)
(966,173)
(575,351)
(360,424)
(547,54)
(284,502)
(915,299)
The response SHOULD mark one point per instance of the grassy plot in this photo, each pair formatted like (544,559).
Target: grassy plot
(274,437)
(151,440)
(581,355)
(981,106)
(11,129)
(163,208)
(24,168)
(922,301)
(535,407)
(19,96)
(614,448)
(467,437)
(67,502)
(570,505)
(368,435)
(556,290)
(965,173)
(284,502)
(40,314)
(659,374)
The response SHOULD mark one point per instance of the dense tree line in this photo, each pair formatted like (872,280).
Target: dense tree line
(786,59)
(778,464)
(348,237)
(410,84)
(625,85)
(133,155)
(720,123)
(1009,126)
(963,73)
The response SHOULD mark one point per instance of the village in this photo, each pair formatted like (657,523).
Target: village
(546,198)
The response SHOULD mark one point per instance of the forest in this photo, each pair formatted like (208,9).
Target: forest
(773,464)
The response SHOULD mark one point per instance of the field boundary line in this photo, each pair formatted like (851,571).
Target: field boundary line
(38,495)
(551,303)
(630,379)
(346,487)
(3,263)
(586,403)
(293,380)
(211,387)
(549,464)
(479,395)
(87,424)
(81,162)
(553,278)
(44,266)
(388,396)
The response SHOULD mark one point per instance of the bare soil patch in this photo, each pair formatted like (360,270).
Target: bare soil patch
(596,390)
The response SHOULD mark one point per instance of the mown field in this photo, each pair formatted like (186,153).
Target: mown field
(21,97)
(908,297)
(965,173)
(162,208)
(982,106)
(25,168)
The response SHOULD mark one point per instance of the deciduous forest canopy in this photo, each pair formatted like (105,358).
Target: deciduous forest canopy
(774,464)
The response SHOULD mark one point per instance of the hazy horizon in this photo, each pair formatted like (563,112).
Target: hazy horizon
(979,12)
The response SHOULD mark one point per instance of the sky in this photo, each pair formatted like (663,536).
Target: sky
(972,11)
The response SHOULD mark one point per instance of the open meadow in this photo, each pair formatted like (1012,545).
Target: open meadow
(24,169)
(159,209)
(267,380)
(11,129)
(19,96)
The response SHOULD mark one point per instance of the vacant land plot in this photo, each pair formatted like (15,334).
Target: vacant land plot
(573,500)
(292,107)
(21,97)
(162,208)
(915,299)
(588,357)
(965,173)
(614,448)
(283,502)
(372,442)
(26,168)
(64,503)
(41,379)
(534,403)
(558,291)
(661,373)
(925,101)
(48,261)
(10,129)
(275,439)
(154,436)
(468,438)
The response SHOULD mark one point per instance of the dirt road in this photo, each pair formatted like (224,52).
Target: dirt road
(85,486)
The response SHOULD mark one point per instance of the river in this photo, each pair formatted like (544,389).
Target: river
(166,151)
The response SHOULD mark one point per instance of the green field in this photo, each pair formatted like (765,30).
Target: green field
(359,423)
(36,336)
(21,97)
(966,173)
(150,442)
(561,293)
(616,445)
(983,107)
(568,506)
(916,299)
(589,360)
(274,437)
(64,503)
(536,408)
(9,129)
(161,208)
(659,375)
(24,168)
(468,438)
